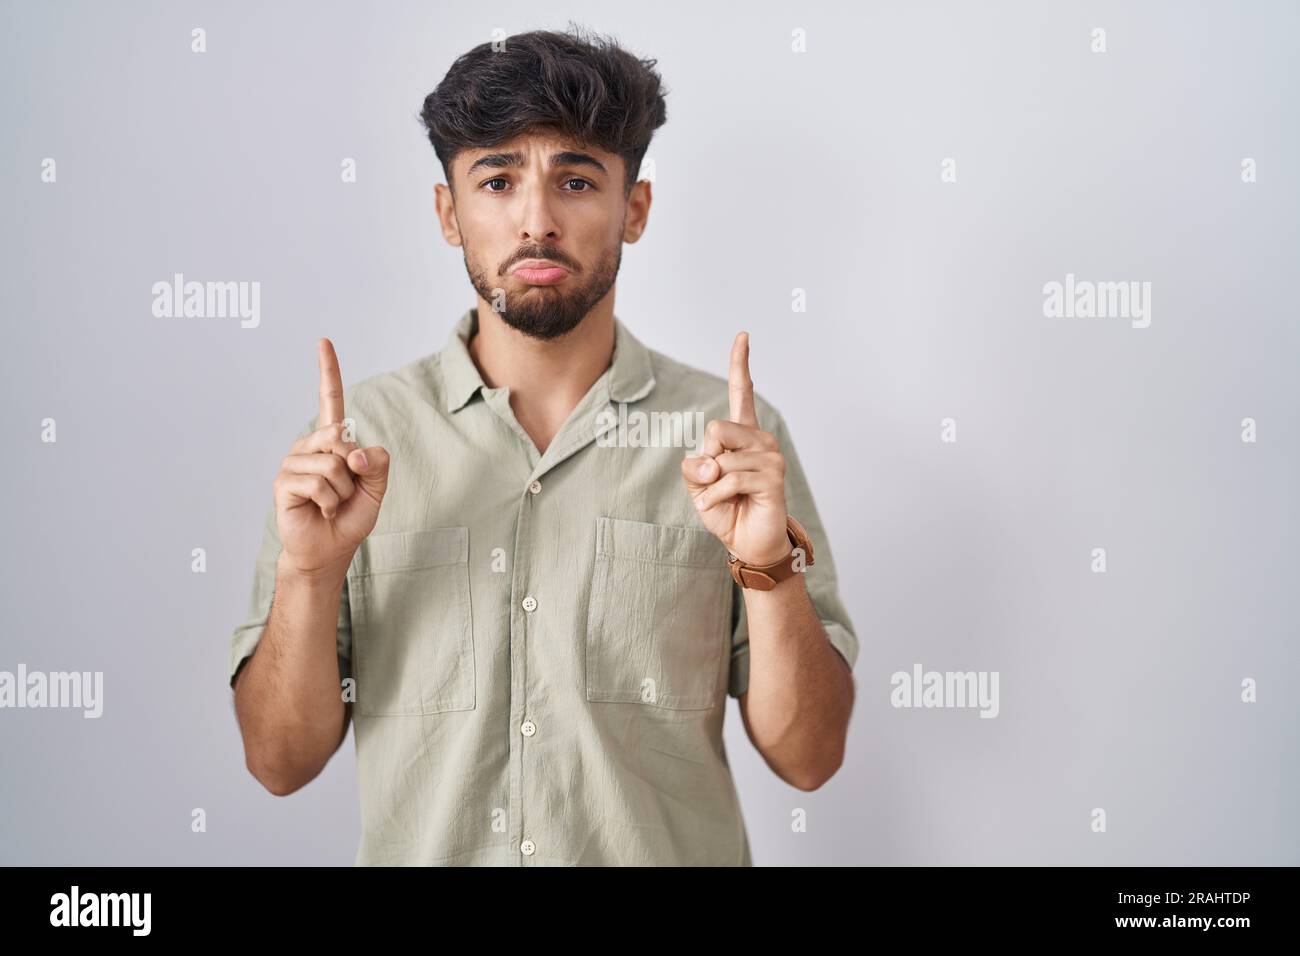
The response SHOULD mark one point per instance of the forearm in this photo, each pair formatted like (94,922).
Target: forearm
(800,691)
(287,697)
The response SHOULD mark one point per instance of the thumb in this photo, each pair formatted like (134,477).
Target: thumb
(370,465)
(698,472)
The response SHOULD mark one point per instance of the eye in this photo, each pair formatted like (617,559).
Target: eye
(498,179)
(584,183)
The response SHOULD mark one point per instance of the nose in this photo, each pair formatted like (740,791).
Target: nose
(537,215)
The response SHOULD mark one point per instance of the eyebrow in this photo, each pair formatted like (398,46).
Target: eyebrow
(565,158)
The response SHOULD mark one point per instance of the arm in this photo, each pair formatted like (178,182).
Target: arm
(287,697)
(801,693)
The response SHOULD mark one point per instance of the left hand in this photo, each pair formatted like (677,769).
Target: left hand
(738,479)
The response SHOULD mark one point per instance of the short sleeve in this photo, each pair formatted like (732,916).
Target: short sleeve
(819,578)
(246,636)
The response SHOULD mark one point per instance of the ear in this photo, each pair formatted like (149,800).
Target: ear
(638,210)
(445,203)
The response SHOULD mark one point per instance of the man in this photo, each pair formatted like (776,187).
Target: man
(531,609)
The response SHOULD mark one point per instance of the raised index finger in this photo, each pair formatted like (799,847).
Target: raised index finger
(740,388)
(331,384)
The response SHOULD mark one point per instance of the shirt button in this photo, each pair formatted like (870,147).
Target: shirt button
(528,728)
(535,487)
(527,848)
(530,603)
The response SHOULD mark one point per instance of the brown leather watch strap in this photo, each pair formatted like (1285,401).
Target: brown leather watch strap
(766,578)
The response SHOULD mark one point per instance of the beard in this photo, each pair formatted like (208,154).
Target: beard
(547,312)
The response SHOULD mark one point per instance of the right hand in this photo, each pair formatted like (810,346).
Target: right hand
(328,491)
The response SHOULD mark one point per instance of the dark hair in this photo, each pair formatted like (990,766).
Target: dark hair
(585,86)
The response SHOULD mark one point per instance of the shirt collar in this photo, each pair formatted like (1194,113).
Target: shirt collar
(460,376)
(631,373)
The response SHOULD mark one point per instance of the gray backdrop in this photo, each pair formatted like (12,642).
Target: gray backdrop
(822,170)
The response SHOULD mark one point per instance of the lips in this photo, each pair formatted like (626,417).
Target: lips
(540,272)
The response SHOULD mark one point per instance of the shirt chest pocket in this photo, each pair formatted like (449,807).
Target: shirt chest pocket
(412,629)
(657,625)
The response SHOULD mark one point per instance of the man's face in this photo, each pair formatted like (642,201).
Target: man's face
(542,223)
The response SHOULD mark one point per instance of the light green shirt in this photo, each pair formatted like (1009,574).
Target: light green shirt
(543,644)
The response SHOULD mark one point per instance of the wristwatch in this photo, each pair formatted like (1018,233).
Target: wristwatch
(767,577)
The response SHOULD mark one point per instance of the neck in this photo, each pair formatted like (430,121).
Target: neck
(546,379)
